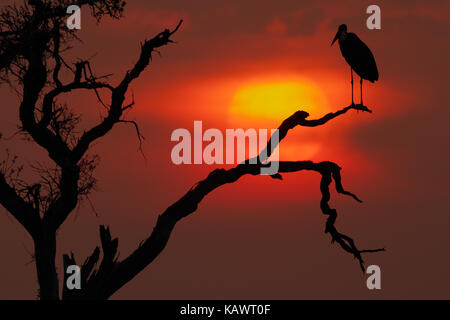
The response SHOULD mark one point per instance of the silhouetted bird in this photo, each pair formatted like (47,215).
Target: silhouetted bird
(357,55)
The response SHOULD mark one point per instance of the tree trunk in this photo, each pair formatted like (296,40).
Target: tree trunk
(45,253)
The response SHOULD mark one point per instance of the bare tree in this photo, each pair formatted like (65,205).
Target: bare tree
(33,37)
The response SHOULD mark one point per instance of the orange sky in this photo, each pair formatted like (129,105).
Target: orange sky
(250,65)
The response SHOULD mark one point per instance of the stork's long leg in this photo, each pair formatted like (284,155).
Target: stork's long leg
(361,90)
(351,72)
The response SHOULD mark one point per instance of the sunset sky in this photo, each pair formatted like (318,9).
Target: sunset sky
(251,64)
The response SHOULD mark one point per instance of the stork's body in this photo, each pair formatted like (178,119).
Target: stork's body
(357,55)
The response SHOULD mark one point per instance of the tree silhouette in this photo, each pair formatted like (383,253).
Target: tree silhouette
(33,37)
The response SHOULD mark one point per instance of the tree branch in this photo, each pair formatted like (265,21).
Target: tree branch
(18,207)
(118,93)
(49,98)
(105,284)
(60,209)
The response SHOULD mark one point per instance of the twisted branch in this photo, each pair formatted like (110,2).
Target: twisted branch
(102,284)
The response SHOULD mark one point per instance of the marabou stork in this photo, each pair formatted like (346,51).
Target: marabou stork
(357,55)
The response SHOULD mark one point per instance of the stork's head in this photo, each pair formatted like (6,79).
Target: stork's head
(342,30)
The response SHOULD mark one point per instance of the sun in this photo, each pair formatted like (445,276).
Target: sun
(268,103)
(277,100)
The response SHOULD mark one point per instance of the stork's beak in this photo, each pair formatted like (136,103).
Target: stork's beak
(335,38)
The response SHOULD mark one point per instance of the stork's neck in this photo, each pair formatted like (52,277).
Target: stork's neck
(342,36)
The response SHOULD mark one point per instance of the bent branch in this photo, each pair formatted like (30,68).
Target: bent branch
(103,283)
(118,93)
